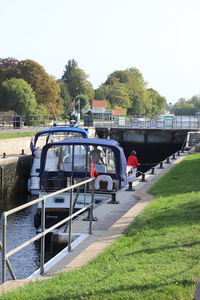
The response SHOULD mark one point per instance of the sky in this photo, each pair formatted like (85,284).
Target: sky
(158,37)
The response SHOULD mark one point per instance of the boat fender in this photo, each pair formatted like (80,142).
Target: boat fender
(105,178)
(37,220)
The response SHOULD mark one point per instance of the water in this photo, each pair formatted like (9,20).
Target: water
(20,229)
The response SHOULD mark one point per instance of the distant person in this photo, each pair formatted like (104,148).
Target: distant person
(132,160)
(96,156)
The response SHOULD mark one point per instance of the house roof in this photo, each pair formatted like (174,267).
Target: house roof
(98,103)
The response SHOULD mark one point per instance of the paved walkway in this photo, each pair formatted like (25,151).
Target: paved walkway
(112,220)
(16,145)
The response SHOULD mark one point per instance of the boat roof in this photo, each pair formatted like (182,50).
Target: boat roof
(112,144)
(53,130)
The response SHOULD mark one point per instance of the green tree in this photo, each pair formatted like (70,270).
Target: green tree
(47,90)
(17,95)
(195,100)
(183,107)
(126,89)
(8,68)
(118,96)
(101,92)
(65,95)
(137,92)
(76,81)
(156,103)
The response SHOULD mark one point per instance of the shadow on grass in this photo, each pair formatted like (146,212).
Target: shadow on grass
(184,178)
(122,288)
(187,213)
(158,249)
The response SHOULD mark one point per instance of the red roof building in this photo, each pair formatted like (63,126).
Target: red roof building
(99,104)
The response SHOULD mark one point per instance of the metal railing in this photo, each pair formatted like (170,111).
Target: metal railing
(128,121)
(157,122)
(90,206)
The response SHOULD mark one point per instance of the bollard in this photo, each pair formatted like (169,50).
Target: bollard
(153,171)
(167,161)
(173,156)
(130,187)
(113,199)
(22,152)
(4,155)
(143,178)
(178,153)
(161,165)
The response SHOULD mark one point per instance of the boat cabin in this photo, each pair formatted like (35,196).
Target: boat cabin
(41,139)
(75,159)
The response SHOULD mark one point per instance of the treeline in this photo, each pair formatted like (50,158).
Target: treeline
(27,89)
(185,107)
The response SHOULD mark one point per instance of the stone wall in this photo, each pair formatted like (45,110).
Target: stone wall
(14,174)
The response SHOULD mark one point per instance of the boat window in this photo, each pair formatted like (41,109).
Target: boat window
(103,158)
(52,159)
(73,157)
(78,158)
(52,137)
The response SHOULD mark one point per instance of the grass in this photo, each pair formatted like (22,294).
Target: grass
(4,135)
(156,258)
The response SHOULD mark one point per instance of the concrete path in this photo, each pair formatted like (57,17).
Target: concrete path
(112,221)
(16,145)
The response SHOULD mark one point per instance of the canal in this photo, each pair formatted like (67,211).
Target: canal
(20,229)
(21,225)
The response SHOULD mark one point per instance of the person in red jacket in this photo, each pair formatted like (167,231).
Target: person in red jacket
(132,160)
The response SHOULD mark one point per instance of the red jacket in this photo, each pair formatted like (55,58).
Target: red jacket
(132,161)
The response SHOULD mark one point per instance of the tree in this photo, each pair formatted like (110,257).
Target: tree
(118,96)
(45,87)
(183,107)
(155,103)
(17,95)
(126,89)
(47,91)
(195,100)
(76,81)
(8,68)
(65,95)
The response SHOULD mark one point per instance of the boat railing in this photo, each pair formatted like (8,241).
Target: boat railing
(44,232)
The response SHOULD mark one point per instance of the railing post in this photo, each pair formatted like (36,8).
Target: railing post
(8,265)
(91,208)
(42,247)
(70,221)
(4,225)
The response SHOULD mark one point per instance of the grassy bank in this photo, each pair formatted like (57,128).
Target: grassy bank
(156,258)
(4,136)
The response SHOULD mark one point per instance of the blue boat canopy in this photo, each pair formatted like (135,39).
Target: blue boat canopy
(63,129)
(112,144)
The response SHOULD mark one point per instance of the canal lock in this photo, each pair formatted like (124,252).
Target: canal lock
(14,174)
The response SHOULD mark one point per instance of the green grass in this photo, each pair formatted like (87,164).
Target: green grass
(158,257)
(4,135)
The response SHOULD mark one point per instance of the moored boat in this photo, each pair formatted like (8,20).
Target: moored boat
(76,159)
(42,138)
